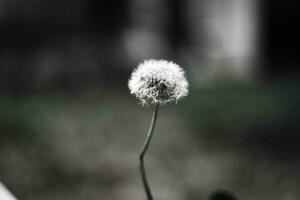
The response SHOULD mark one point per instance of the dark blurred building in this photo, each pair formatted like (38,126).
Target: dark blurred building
(46,44)
(281,41)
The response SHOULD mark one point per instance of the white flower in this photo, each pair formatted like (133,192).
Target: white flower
(158,82)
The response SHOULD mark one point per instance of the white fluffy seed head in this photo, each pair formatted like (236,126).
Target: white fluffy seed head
(158,82)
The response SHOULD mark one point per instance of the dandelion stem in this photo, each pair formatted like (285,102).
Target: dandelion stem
(143,152)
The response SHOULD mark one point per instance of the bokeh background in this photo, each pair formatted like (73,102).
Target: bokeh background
(70,130)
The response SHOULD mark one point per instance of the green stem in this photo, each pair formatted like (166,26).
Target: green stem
(143,152)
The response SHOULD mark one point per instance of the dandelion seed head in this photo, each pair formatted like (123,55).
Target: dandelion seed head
(158,82)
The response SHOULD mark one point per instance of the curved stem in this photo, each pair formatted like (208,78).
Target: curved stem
(143,152)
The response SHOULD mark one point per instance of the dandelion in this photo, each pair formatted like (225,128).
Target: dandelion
(156,82)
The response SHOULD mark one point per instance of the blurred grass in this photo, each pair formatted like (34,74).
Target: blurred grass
(59,142)
(240,114)
(224,111)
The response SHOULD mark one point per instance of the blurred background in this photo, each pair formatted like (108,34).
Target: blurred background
(65,130)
